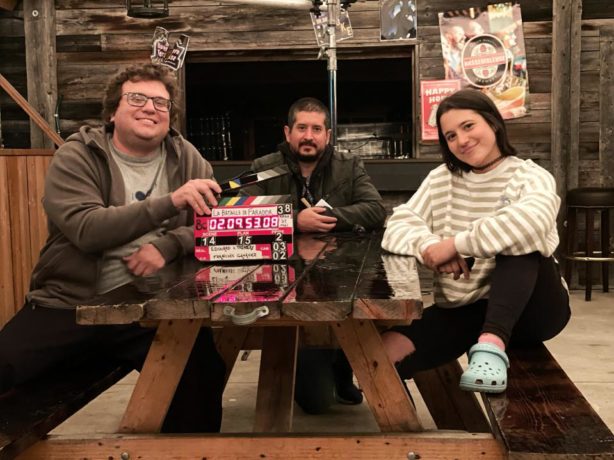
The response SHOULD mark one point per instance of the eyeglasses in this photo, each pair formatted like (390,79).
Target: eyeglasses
(161,104)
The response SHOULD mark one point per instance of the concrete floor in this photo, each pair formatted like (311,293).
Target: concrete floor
(584,350)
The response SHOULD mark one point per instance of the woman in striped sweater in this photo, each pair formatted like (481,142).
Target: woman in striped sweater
(485,223)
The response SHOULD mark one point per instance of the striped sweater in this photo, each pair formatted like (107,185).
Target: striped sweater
(509,210)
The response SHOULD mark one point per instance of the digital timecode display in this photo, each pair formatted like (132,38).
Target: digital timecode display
(243,223)
(249,232)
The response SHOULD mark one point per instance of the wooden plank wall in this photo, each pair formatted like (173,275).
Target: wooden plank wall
(23,225)
(606,101)
(214,28)
(15,123)
(39,27)
(95,38)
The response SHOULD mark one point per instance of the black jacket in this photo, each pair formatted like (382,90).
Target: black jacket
(339,178)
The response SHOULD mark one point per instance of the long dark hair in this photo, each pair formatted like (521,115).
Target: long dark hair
(471,99)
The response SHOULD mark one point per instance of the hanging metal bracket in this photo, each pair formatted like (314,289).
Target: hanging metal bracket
(248,318)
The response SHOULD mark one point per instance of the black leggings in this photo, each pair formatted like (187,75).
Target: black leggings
(39,339)
(527,304)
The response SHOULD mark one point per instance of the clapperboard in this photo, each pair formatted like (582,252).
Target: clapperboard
(246,227)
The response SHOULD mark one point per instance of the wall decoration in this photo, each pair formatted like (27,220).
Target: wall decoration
(484,49)
(398,19)
(432,92)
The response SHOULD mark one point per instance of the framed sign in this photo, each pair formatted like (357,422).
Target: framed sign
(343,26)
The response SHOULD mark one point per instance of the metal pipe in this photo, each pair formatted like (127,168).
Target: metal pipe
(333,14)
(331,51)
(291,4)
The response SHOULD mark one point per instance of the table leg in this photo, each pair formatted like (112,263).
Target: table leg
(160,376)
(275,400)
(450,407)
(377,376)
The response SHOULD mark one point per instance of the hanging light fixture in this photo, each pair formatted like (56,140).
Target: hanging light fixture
(146,9)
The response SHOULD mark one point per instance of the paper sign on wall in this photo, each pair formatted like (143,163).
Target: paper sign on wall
(432,92)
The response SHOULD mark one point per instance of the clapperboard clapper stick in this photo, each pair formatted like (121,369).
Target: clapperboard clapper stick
(252,178)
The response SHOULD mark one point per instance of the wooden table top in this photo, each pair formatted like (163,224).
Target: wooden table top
(331,277)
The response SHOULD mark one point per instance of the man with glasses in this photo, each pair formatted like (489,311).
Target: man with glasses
(120,203)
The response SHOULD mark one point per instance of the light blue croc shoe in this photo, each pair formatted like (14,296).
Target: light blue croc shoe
(487,371)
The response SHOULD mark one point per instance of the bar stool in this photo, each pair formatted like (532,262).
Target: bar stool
(589,200)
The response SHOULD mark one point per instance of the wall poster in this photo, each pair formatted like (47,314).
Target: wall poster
(484,49)
(398,19)
(432,92)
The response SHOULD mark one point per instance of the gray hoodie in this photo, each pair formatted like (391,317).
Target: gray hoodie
(84,201)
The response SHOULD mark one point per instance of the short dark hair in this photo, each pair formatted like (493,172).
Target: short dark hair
(308,104)
(135,73)
(472,99)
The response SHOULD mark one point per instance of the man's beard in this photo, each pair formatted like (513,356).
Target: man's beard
(307,158)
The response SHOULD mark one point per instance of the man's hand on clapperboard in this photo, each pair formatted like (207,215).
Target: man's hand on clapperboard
(196,193)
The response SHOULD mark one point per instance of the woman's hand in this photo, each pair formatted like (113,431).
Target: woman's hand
(456,266)
(442,258)
(439,253)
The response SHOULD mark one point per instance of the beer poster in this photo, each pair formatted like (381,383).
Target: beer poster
(484,49)
(432,92)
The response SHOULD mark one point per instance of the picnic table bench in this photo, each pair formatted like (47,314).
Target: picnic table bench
(30,411)
(541,415)
(347,284)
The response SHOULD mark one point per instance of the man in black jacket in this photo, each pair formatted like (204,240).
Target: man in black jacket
(335,185)
(331,191)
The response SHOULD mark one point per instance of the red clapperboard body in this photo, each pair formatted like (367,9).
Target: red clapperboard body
(246,228)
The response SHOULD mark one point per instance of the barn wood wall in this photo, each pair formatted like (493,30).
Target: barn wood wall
(95,38)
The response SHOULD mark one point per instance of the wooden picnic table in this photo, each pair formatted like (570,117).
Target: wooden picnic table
(338,282)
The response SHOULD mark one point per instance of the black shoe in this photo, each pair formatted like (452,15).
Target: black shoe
(348,394)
